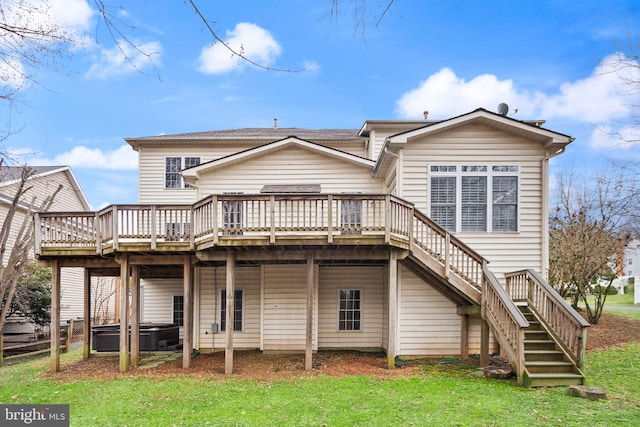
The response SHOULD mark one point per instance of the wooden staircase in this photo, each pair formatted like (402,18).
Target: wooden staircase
(545,363)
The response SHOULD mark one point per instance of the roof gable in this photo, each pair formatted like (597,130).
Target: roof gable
(553,142)
(193,173)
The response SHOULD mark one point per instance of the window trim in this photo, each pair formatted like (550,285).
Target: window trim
(469,169)
(360,311)
(223,309)
(183,162)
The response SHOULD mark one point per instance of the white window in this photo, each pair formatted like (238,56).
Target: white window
(350,310)
(351,215)
(178,310)
(474,198)
(232,216)
(172,168)
(238,305)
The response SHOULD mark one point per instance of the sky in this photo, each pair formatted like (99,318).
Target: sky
(549,60)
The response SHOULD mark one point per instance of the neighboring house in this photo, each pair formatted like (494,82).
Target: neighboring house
(631,259)
(44,182)
(388,237)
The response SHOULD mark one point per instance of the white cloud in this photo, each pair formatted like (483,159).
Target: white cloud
(122,158)
(598,98)
(49,21)
(444,94)
(623,140)
(124,59)
(254,42)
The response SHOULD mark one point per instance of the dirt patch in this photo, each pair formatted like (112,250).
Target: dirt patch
(610,331)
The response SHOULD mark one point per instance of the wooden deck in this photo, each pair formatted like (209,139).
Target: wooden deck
(294,227)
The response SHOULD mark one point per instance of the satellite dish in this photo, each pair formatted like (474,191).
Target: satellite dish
(503,109)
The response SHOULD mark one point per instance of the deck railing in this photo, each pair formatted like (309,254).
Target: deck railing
(563,321)
(259,216)
(507,321)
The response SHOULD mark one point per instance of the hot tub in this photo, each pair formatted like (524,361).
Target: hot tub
(153,337)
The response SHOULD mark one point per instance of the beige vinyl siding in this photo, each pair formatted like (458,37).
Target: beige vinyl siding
(212,282)
(287,166)
(151,172)
(158,300)
(369,280)
(71,293)
(475,324)
(285,307)
(429,324)
(478,144)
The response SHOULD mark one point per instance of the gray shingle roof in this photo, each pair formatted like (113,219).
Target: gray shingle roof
(265,133)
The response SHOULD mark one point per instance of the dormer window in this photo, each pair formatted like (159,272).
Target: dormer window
(172,168)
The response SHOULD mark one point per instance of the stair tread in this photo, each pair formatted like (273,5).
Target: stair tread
(552,375)
(548,363)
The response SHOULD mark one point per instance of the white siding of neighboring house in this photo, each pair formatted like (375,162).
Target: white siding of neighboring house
(284,307)
(367,279)
(212,282)
(288,166)
(67,199)
(477,144)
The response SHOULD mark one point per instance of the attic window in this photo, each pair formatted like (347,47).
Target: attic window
(306,189)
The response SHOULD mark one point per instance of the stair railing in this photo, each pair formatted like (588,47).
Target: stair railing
(565,324)
(507,322)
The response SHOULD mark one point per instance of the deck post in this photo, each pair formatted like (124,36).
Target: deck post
(135,315)
(464,337)
(228,350)
(187,340)
(484,325)
(124,313)
(308,356)
(86,321)
(54,326)
(393,309)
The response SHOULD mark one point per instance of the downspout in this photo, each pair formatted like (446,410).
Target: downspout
(399,158)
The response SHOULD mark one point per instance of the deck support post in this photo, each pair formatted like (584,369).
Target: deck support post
(484,343)
(124,312)
(393,309)
(464,337)
(187,340)
(54,326)
(228,350)
(135,315)
(308,355)
(86,321)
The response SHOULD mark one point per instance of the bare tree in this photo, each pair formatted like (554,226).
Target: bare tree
(17,238)
(103,297)
(592,218)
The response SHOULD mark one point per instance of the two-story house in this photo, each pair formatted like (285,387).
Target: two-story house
(411,237)
(43,182)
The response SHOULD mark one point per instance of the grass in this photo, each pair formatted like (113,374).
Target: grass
(450,395)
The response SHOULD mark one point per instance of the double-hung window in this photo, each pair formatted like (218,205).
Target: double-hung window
(351,215)
(232,216)
(237,310)
(178,310)
(350,310)
(474,198)
(172,168)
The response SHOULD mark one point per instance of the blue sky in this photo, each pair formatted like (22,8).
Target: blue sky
(548,60)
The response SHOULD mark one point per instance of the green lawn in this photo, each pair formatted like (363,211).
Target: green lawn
(449,395)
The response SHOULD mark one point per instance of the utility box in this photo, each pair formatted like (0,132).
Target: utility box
(214,328)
